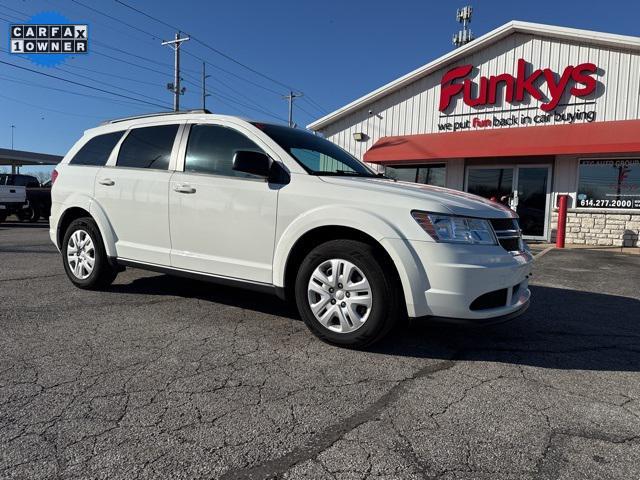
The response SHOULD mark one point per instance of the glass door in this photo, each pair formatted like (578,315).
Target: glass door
(493,183)
(525,189)
(532,198)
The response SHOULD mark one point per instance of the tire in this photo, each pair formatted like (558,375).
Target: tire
(25,214)
(102,274)
(352,324)
(35,214)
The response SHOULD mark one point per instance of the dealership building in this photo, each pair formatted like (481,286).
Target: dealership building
(520,115)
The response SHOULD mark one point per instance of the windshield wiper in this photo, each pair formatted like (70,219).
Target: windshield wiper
(386,177)
(346,173)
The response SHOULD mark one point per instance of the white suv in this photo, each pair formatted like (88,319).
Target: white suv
(277,209)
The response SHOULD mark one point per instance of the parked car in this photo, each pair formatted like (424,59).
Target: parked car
(280,210)
(37,203)
(12,199)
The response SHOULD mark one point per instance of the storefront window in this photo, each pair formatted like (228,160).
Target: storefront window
(430,175)
(609,184)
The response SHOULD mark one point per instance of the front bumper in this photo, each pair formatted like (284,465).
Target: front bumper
(448,280)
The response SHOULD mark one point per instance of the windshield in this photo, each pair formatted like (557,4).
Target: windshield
(317,155)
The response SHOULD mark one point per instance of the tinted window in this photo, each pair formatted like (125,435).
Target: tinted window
(609,184)
(20,181)
(97,150)
(148,147)
(317,155)
(211,148)
(31,182)
(431,174)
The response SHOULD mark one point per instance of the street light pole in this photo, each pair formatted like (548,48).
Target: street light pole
(13,127)
(175,86)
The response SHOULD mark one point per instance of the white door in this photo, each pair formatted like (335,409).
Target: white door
(222,222)
(133,193)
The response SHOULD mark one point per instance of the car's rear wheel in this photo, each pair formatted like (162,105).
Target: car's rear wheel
(344,294)
(84,256)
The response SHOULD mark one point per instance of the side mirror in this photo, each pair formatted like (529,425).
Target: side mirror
(255,163)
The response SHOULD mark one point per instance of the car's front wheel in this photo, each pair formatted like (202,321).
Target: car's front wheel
(84,256)
(346,294)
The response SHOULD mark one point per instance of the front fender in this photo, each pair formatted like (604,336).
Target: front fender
(362,220)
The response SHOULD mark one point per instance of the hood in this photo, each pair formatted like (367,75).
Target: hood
(425,196)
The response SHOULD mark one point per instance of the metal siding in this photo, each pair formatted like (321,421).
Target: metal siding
(414,109)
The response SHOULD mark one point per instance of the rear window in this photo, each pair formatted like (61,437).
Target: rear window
(97,150)
(148,147)
(19,180)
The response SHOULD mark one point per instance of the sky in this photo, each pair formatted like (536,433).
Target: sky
(332,51)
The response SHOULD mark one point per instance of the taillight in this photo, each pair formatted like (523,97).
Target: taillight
(54,175)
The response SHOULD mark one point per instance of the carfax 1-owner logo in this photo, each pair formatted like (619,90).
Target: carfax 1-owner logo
(48,38)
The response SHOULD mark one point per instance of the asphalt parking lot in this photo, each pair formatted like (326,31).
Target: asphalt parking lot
(169,378)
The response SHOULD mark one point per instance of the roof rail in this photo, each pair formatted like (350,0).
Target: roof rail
(158,114)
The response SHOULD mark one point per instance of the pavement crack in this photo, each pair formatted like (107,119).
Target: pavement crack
(275,467)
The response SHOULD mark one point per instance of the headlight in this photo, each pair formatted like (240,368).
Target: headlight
(450,229)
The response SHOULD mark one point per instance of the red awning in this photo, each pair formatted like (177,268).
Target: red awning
(584,138)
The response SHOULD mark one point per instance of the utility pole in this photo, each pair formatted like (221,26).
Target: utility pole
(175,86)
(291,98)
(13,127)
(204,86)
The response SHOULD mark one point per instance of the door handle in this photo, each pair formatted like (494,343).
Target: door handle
(184,188)
(107,182)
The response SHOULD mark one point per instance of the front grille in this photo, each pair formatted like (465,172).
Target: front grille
(508,233)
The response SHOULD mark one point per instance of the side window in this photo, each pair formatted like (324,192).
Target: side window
(97,150)
(148,147)
(32,182)
(25,181)
(211,148)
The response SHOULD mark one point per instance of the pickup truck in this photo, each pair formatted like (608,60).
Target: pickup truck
(12,199)
(23,196)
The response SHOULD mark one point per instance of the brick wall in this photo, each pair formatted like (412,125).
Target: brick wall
(605,229)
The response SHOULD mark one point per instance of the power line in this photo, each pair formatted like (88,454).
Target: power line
(219,95)
(156,37)
(109,74)
(228,57)
(82,84)
(12,18)
(39,107)
(139,57)
(315,104)
(50,88)
(108,84)
(134,27)
(102,54)
(235,75)
(15,11)
(254,106)
(94,80)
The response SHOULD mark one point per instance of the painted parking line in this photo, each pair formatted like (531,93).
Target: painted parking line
(538,255)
